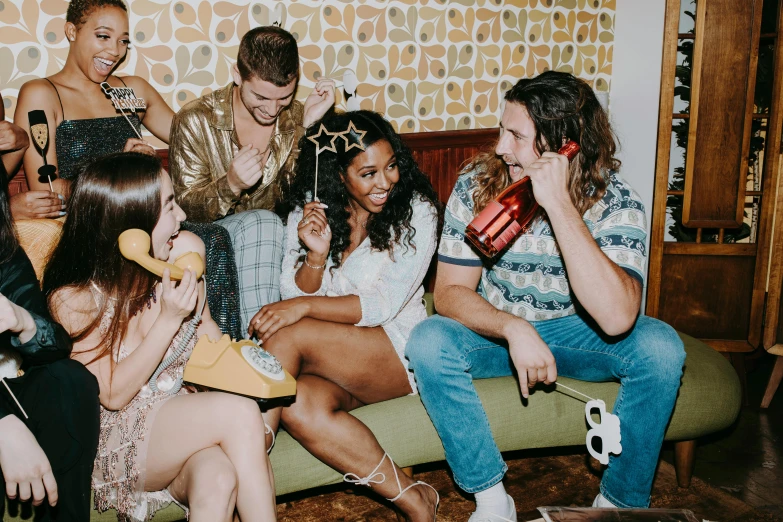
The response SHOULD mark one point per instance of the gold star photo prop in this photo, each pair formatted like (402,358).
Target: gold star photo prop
(356,142)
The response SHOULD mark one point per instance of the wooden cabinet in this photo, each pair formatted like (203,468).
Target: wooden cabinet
(715,267)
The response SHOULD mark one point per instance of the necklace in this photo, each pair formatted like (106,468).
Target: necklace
(362,224)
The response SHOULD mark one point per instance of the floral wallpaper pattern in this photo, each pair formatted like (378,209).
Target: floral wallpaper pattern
(428,65)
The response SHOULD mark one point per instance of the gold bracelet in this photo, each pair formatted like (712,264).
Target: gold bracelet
(314,267)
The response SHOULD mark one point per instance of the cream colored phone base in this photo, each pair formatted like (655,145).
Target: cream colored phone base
(223,365)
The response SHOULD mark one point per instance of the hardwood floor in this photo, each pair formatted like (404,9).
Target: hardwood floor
(746,460)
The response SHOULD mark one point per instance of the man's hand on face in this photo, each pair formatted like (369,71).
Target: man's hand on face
(319,101)
(246,169)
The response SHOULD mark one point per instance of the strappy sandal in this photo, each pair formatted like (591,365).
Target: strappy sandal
(268,429)
(376,477)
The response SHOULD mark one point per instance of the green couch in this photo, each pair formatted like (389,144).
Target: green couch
(709,401)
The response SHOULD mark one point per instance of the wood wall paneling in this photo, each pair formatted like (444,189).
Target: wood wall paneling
(666,108)
(708,296)
(441,155)
(724,77)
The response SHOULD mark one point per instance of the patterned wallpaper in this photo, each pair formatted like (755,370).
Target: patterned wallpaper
(427,64)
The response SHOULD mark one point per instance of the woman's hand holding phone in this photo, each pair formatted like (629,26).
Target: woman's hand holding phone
(178,300)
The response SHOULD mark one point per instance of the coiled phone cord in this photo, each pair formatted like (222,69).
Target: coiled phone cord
(183,345)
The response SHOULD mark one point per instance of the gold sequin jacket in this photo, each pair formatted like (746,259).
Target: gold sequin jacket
(202,144)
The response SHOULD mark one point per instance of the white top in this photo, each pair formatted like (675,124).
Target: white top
(388,283)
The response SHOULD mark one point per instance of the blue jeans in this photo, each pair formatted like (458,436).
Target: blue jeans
(446,356)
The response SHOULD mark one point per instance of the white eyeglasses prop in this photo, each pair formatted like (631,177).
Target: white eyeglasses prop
(607,429)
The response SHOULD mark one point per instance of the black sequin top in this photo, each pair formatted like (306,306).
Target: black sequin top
(79,141)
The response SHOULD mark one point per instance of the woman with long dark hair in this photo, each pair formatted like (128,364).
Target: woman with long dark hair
(353,265)
(159,442)
(47,446)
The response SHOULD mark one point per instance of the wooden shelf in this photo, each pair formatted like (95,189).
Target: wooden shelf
(692,36)
(686,116)
(756,193)
(709,249)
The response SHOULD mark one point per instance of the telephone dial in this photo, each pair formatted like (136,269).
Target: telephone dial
(240,367)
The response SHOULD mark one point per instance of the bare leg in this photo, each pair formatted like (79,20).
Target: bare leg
(327,389)
(188,424)
(208,485)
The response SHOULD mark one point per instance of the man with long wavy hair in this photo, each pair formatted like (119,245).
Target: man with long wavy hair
(564,297)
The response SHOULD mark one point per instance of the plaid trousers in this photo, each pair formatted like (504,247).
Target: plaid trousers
(257,236)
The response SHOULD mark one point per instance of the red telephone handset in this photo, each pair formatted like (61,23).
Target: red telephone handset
(504,218)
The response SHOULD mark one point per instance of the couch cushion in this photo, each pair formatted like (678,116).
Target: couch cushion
(709,401)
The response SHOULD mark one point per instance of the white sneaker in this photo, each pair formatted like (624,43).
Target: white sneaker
(485,516)
(601,502)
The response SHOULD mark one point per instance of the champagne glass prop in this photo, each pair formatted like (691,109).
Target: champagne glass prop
(39,129)
(124,98)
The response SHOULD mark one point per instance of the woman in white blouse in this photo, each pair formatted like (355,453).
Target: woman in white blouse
(351,285)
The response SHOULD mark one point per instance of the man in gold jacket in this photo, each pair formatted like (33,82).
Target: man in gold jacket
(231,151)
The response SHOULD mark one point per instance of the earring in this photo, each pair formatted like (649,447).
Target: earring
(72,39)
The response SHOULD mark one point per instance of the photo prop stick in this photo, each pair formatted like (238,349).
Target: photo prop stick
(14,396)
(349,85)
(607,429)
(332,136)
(124,98)
(39,129)
(350,142)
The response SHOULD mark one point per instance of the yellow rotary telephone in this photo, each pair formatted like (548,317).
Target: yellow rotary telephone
(235,366)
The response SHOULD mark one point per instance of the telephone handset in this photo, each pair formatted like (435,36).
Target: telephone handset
(240,367)
(135,246)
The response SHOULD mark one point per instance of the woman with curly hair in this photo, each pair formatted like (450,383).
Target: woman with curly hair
(353,265)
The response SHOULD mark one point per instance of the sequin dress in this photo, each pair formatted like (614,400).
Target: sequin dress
(80,141)
(119,474)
